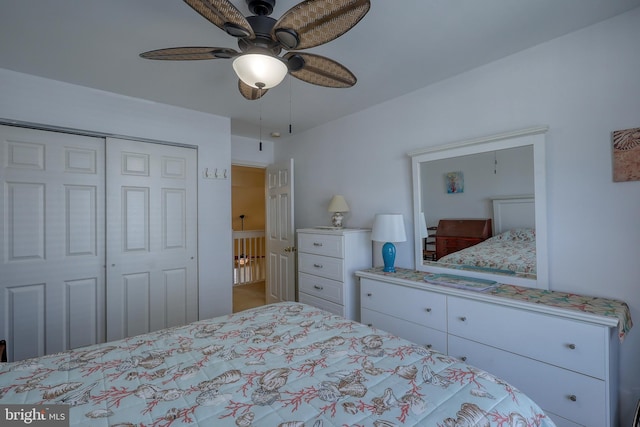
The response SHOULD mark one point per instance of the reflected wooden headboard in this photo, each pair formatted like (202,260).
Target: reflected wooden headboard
(513,212)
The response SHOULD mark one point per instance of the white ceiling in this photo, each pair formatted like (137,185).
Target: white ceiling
(399,46)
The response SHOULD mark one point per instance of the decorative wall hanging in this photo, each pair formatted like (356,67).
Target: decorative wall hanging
(626,155)
(454,182)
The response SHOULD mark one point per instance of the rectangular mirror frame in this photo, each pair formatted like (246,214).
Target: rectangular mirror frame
(535,137)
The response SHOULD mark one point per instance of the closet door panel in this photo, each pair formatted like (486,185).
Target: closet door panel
(151,234)
(82,299)
(81,216)
(52,241)
(25,320)
(25,222)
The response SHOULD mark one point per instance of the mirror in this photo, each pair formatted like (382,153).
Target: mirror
(493,186)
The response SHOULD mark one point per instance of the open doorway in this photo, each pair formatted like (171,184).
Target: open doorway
(248,223)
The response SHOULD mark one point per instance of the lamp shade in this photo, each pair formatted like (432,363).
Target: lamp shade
(260,71)
(338,204)
(423,226)
(388,228)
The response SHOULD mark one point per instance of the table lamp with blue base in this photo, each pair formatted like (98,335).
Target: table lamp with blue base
(388,228)
(389,257)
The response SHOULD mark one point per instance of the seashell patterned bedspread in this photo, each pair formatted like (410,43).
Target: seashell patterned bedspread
(512,251)
(285,364)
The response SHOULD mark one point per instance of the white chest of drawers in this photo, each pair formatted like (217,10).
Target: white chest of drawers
(566,361)
(327,262)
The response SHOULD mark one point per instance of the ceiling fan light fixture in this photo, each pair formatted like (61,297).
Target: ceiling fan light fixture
(260,71)
(261,39)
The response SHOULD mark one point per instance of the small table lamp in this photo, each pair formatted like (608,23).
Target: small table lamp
(338,205)
(388,228)
(424,232)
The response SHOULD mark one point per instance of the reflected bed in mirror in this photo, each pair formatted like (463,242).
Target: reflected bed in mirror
(510,250)
(494,225)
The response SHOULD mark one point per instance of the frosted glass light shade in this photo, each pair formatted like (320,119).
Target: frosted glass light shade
(260,71)
(388,228)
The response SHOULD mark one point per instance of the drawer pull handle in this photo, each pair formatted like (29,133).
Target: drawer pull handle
(428,310)
(317,244)
(318,287)
(573,398)
(463,319)
(369,294)
(571,346)
(317,265)
(463,358)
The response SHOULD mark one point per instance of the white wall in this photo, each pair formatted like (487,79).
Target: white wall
(246,152)
(32,99)
(583,86)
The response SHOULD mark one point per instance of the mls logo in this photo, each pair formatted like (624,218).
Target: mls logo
(43,415)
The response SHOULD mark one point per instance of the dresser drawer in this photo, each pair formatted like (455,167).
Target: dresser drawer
(321,303)
(318,265)
(562,342)
(320,287)
(418,334)
(321,244)
(415,305)
(571,395)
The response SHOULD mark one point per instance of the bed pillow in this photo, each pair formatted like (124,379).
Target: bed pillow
(522,234)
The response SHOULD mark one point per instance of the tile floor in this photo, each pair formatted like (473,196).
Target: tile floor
(248,296)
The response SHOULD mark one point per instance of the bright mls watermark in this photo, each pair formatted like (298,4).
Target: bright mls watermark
(34,415)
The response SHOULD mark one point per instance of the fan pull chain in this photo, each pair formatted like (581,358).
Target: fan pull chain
(495,163)
(290,111)
(260,109)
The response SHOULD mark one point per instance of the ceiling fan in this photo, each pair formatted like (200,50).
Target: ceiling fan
(261,39)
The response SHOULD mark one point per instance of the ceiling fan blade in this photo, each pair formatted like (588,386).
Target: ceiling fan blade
(189,53)
(315,22)
(250,92)
(318,70)
(224,15)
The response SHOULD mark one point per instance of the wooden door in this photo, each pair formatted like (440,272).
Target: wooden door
(281,252)
(52,279)
(152,258)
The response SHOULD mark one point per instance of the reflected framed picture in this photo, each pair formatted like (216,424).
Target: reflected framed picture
(454,182)
(626,155)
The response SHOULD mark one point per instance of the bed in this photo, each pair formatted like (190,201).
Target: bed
(280,365)
(510,252)
(512,249)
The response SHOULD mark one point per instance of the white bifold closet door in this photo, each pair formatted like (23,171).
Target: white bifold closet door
(52,251)
(152,277)
(63,283)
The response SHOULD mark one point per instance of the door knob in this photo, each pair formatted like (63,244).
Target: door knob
(290,249)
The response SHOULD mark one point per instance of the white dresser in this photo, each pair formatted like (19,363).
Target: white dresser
(566,360)
(327,262)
